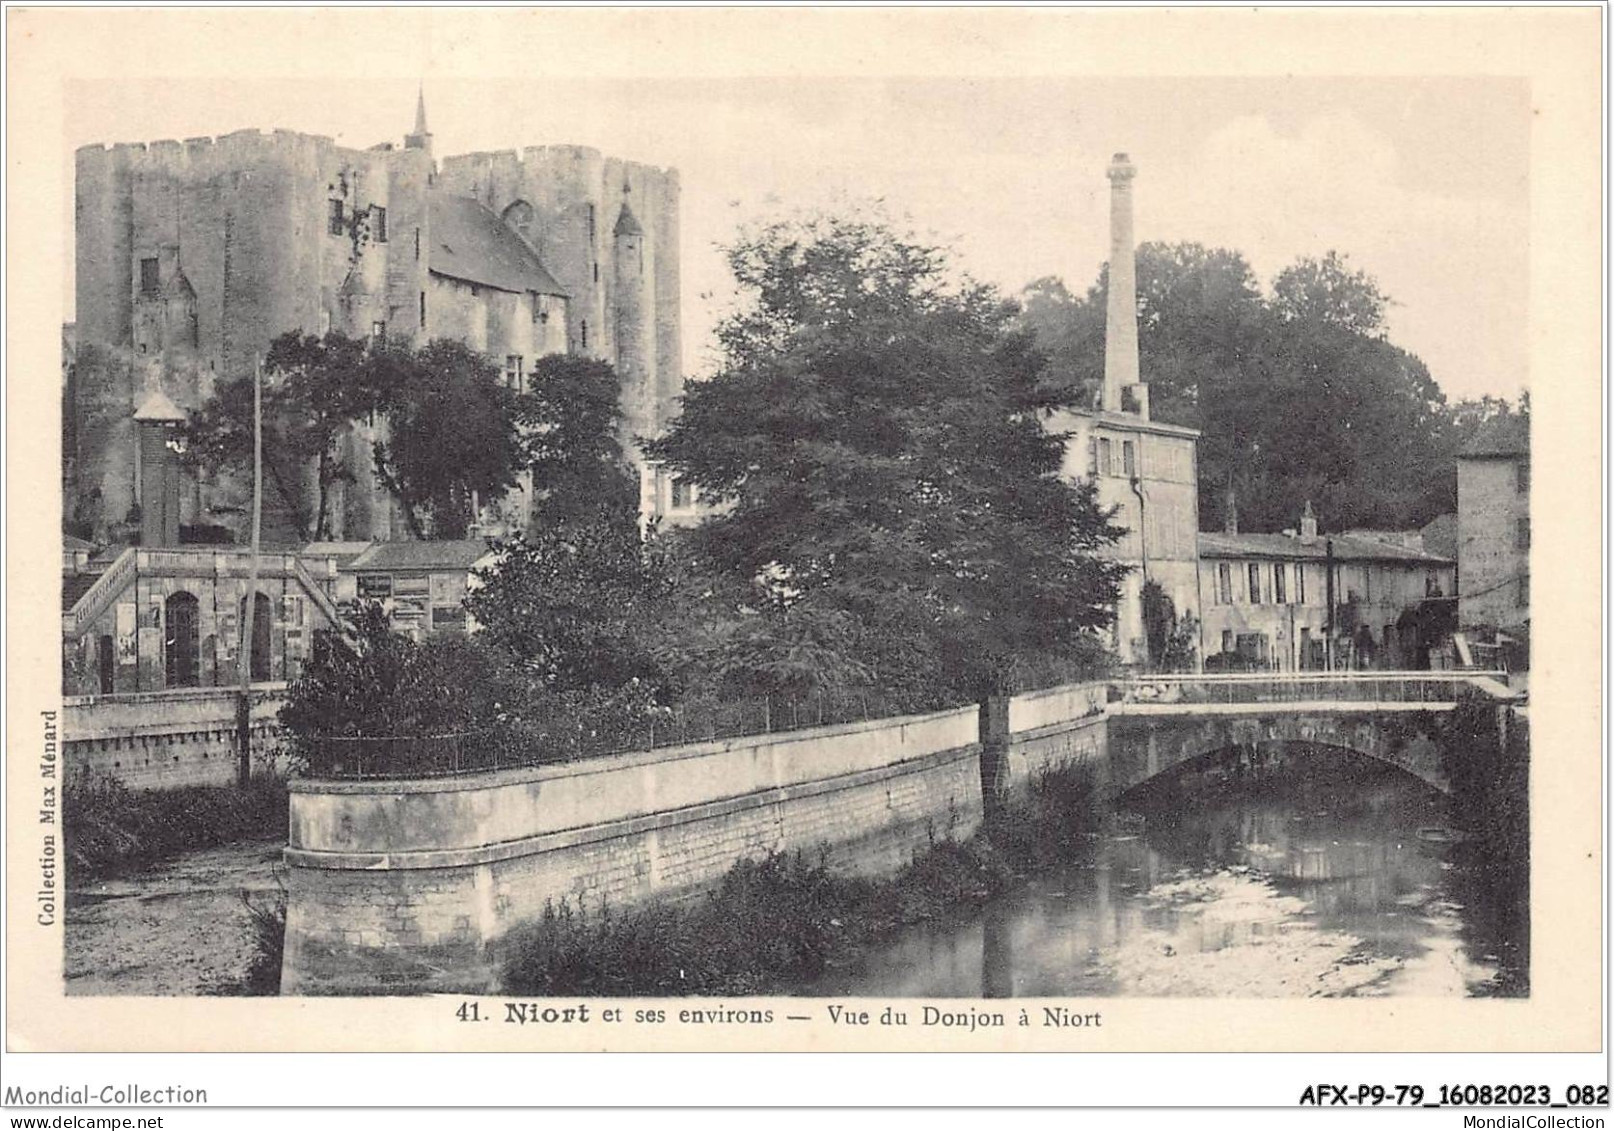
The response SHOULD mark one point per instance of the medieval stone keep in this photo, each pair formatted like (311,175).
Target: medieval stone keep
(193,256)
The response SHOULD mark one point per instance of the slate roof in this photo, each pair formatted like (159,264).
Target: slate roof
(343,552)
(1282,546)
(1440,535)
(157,408)
(406,556)
(470,243)
(627,224)
(1501,436)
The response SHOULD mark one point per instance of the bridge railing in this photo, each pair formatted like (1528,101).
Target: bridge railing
(1300,687)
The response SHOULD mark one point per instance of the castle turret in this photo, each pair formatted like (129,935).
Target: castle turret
(158,420)
(632,331)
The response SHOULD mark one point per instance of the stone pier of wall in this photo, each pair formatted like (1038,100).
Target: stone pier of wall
(415,886)
(1051,730)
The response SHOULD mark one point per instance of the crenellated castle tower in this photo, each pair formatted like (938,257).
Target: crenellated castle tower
(192,257)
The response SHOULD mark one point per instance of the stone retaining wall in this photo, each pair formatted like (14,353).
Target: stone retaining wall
(412,886)
(167,739)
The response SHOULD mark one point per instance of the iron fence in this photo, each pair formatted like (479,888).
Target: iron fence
(1299,687)
(514,743)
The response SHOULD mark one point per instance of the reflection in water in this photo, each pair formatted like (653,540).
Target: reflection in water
(1313,882)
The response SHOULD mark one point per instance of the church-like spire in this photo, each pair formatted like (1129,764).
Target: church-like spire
(627,224)
(421,138)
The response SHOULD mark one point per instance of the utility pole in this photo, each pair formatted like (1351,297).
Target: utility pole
(243,769)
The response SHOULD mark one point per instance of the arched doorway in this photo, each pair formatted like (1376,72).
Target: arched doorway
(261,613)
(182,640)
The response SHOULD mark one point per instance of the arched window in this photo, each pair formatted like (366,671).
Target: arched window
(519,217)
(182,640)
(261,614)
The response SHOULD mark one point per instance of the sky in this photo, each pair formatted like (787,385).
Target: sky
(1423,183)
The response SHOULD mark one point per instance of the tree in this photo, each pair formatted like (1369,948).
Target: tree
(1298,396)
(313,389)
(1329,292)
(876,431)
(573,604)
(570,425)
(373,681)
(449,427)
(451,433)
(1199,312)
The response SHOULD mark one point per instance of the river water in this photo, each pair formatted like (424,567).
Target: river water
(1330,878)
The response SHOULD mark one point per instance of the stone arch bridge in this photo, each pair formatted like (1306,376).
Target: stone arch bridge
(1394,718)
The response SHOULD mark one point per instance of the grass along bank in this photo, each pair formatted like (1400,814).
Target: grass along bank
(111,829)
(776,924)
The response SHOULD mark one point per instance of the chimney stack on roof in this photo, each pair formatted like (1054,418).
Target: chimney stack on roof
(1308,525)
(1121,324)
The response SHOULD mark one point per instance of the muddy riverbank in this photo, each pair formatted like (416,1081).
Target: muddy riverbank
(177,927)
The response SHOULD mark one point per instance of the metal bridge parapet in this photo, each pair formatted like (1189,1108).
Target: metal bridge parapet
(1364,687)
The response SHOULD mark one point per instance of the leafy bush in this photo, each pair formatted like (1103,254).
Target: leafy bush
(268,925)
(109,827)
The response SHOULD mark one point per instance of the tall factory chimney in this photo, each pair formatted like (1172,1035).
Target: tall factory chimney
(1121,325)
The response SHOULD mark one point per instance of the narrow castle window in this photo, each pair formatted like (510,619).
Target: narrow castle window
(1129,458)
(148,277)
(1255,583)
(336,224)
(1280,584)
(422,310)
(378,223)
(596,272)
(417,245)
(585,335)
(1106,458)
(591,223)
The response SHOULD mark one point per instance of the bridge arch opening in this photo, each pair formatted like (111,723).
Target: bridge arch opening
(1281,764)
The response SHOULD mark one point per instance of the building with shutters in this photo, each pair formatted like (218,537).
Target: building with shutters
(1264,600)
